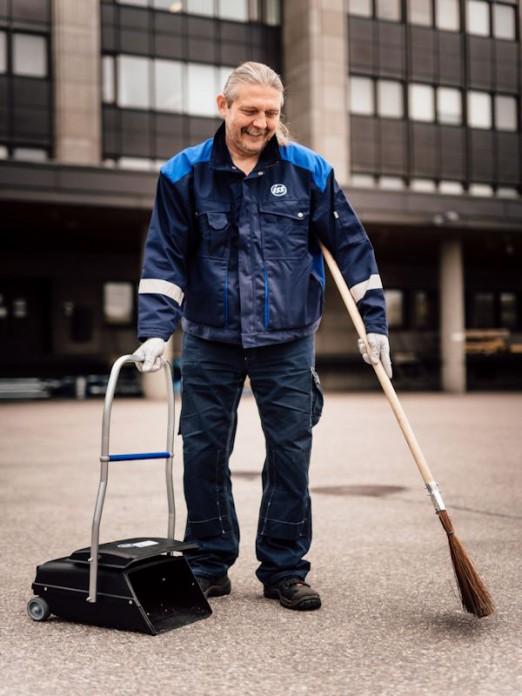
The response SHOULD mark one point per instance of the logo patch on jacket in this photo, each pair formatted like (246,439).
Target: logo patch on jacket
(278,190)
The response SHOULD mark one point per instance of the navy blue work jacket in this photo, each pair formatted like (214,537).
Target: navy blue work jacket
(237,256)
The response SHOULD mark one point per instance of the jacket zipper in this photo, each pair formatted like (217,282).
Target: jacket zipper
(266,306)
(226,297)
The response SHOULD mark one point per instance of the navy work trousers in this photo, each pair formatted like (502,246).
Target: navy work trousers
(289,401)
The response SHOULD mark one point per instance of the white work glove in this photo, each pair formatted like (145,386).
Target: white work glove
(151,352)
(379,350)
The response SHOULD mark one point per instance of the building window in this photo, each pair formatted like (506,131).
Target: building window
(30,154)
(480,190)
(20,308)
(508,310)
(452,188)
(201,86)
(420,12)
(133,82)
(361,96)
(81,327)
(3,152)
(389,99)
(3,52)
(449,105)
(362,180)
(479,110)
(200,7)
(391,183)
(504,22)
(423,185)
(477,17)
(29,55)
(169,5)
(168,86)
(118,303)
(223,77)
(137,163)
(108,79)
(236,10)
(394,308)
(361,8)
(505,113)
(447,15)
(421,99)
(165,85)
(423,314)
(483,310)
(507,192)
(389,9)
(272,15)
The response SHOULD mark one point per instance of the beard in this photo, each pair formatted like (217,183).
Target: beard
(250,131)
(248,148)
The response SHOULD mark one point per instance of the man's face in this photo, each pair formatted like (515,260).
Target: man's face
(251,119)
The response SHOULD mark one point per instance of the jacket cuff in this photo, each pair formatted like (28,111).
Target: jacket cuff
(376,328)
(151,332)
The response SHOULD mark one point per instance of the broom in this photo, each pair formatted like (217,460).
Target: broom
(474,595)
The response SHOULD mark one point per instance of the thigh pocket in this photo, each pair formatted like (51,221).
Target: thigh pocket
(317,397)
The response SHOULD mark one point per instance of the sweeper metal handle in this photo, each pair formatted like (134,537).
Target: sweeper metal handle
(106,457)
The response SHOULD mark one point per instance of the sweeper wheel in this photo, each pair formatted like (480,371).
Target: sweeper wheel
(38,609)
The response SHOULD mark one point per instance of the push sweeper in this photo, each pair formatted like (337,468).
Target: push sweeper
(140,584)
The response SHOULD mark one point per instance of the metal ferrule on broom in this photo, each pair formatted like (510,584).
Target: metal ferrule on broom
(436,496)
(473,593)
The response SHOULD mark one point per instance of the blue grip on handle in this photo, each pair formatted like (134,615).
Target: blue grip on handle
(132,456)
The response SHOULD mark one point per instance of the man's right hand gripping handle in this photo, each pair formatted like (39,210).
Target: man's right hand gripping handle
(150,351)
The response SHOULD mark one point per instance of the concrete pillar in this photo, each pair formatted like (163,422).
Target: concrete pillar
(452,321)
(77,77)
(316,75)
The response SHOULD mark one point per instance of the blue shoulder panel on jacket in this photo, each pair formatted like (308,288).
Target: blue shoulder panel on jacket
(181,164)
(308,159)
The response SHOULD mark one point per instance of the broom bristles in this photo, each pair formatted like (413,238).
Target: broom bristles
(473,593)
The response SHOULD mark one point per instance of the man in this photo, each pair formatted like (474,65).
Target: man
(233,250)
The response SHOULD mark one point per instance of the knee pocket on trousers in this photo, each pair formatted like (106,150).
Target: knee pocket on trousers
(278,529)
(209,528)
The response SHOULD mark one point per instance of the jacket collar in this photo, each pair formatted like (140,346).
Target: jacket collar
(221,158)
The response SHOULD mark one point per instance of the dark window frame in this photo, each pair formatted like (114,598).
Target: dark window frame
(261,11)
(10,140)
(471,322)
(372,71)
(111,325)
(112,21)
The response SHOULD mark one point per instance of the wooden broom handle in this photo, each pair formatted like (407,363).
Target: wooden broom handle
(383,378)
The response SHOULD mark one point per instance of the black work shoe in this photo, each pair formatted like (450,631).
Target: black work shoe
(294,593)
(217,586)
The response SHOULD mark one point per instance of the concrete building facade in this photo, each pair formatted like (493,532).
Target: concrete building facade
(415,103)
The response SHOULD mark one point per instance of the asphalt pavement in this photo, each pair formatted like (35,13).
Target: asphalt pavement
(391,621)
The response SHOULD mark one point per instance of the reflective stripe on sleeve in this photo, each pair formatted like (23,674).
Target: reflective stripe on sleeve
(372,283)
(161,287)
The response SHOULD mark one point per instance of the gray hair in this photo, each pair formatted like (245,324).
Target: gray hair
(252,73)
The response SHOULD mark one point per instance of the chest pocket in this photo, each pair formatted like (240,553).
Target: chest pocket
(284,228)
(214,227)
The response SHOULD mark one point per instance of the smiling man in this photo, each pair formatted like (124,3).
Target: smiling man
(233,250)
